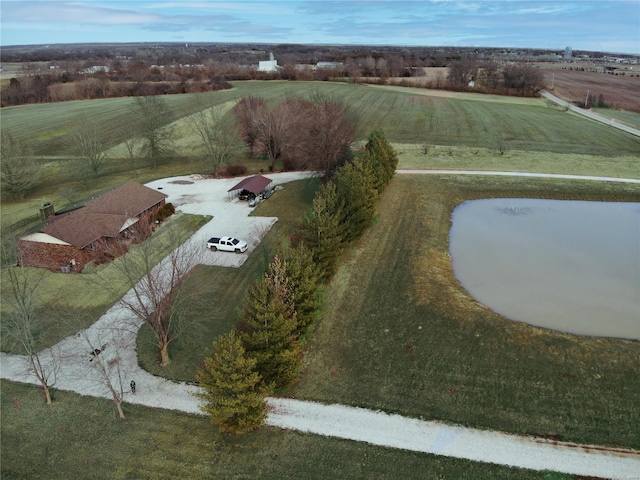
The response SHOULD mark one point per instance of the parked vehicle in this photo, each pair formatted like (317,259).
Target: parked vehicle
(246,195)
(227,244)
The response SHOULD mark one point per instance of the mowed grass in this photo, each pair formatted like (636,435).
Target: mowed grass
(66,303)
(81,437)
(399,333)
(217,311)
(628,118)
(412,156)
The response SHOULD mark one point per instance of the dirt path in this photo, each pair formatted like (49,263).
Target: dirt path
(117,330)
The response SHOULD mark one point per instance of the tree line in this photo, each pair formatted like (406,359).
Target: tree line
(263,354)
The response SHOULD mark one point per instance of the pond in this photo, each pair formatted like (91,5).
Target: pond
(572,266)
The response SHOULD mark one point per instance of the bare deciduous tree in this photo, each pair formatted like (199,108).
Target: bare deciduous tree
(22,325)
(88,144)
(219,141)
(131,141)
(104,355)
(152,117)
(18,168)
(155,296)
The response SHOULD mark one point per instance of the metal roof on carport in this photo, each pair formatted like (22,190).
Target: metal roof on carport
(255,184)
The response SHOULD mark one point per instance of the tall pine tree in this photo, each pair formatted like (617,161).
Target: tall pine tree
(323,231)
(267,328)
(233,393)
(354,187)
(303,277)
(384,153)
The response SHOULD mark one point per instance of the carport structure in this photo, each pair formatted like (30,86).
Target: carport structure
(256,185)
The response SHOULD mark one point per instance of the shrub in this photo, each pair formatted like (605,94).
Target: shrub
(230,171)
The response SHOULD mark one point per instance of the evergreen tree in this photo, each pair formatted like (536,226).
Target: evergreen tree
(323,231)
(354,186)
(234,395)
(267,329)
(303,276)
(384,152)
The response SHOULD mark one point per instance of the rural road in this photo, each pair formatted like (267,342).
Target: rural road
(117,329)
(589,113)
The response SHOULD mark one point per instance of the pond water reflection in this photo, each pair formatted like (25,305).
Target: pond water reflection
(571,266)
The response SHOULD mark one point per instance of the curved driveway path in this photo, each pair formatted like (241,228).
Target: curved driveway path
(118,330)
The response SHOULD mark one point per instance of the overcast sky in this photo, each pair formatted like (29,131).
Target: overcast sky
(609,25)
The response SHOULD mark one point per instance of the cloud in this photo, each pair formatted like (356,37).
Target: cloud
(71,13)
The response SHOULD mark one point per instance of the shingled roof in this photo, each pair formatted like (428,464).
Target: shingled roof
(129,199)
(105,216)
(83,227)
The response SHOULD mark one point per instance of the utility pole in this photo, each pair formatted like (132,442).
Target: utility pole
(553,79)
(586,101)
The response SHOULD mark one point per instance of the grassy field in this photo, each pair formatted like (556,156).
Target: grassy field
(628,118)
(67,303)
(400,334)
(412,156)
(409,115)
(80,437)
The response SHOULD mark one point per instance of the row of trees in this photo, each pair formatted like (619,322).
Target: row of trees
(488,76)
(263,353)
(56,86)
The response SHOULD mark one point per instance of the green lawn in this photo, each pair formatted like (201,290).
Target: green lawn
(81,437)
(399,333)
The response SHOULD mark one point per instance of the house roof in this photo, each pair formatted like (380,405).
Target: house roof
(255,184)
(84,227)
(130,199)
(105,216)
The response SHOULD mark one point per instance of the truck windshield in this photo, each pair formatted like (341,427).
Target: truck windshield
(235,241)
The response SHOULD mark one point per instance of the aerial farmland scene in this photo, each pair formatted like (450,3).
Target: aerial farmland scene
(320,239)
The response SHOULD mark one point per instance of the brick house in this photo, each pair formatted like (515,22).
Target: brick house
(70,241)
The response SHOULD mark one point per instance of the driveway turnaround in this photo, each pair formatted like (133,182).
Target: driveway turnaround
(115,334)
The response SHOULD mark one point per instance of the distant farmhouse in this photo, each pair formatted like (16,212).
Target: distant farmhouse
(270,65)
(69,241)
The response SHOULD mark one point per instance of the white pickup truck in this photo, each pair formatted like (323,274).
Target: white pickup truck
(227,244)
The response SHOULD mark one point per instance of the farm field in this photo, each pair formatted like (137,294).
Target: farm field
(400,334)
(620,91)
(408,115)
